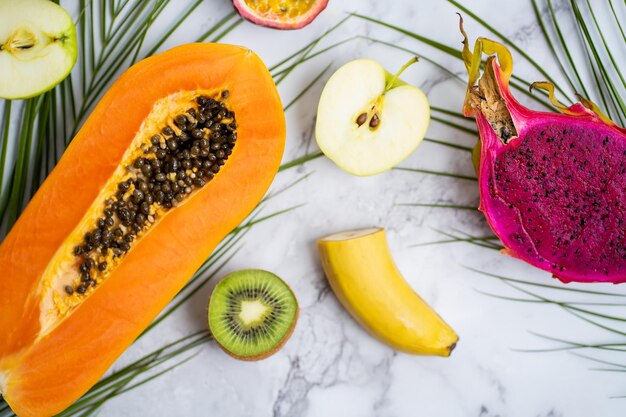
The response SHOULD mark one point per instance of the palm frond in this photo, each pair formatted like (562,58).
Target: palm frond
(438,173)
(42,138)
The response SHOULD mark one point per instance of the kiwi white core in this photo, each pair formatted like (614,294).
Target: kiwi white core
(252,312)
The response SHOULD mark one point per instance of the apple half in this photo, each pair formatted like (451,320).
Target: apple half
(368,120)
(37,47)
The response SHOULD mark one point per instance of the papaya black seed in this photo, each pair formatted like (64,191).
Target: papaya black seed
(96,237)
(197,133)
(161,153)
(146,170)
(138,195)
(123,214)
(180,120)
(69,290)
(172,144)
(123,186)
(139,162)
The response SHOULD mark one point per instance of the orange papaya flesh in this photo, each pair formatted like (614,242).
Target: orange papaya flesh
(62,327)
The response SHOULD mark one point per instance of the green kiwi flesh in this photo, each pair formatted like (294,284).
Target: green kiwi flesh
(252,313)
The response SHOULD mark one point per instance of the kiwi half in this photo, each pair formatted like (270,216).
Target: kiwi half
(252,313)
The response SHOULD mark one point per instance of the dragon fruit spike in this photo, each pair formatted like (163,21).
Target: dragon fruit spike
(552,186)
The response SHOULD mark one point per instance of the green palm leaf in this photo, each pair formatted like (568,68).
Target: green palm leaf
(41,139)
(113,34)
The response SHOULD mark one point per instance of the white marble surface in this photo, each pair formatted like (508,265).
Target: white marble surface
(331,367)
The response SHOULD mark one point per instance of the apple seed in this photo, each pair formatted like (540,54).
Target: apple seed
(361,119)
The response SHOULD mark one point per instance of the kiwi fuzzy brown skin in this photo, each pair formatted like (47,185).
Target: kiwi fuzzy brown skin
(276,348)
(268,353)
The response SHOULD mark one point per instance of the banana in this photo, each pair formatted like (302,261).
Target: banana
(365,279)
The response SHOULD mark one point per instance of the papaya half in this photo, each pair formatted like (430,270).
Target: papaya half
(176,154)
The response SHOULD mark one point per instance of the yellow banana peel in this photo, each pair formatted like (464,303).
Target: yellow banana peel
(365,279)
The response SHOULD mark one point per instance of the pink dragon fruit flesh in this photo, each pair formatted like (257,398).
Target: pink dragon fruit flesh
(552,186)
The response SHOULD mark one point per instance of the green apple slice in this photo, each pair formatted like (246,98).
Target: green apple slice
(37,47)
(368,120)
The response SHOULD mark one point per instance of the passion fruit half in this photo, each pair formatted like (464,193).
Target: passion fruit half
(280,14)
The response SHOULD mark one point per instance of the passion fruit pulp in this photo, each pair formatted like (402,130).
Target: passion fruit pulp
(280,14)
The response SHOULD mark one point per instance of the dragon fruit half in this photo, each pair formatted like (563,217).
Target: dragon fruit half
(552,186)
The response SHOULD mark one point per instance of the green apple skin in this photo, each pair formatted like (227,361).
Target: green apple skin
(355,88)
(51,48)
